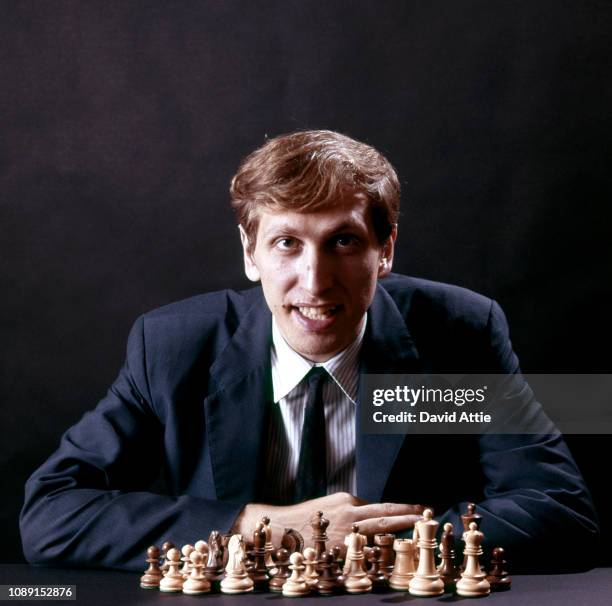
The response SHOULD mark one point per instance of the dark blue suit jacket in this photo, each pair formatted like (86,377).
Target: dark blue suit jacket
(192,399)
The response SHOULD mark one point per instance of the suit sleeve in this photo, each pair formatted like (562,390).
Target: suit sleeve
(90,503)
(536,504)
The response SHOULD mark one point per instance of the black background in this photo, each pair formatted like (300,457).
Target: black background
(123,122)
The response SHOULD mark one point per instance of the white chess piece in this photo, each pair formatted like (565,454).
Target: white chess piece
(173,579)
(296,584)
(236,578)
(473,582)
(356,579)
(197,583)
(426,580)
(310,561)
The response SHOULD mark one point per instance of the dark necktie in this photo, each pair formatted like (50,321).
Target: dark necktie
(311,481)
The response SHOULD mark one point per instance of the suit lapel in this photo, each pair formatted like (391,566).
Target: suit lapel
(237,405)
(387,348)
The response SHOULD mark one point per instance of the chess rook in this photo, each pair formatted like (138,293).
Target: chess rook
(404,569)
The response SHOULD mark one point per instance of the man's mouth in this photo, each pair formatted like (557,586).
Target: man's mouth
(318,313)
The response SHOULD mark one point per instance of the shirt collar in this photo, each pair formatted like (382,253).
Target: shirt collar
(289,367)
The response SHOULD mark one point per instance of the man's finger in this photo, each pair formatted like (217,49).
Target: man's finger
(375,510)
(373,526)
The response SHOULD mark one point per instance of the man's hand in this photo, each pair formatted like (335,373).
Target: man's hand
(341,509)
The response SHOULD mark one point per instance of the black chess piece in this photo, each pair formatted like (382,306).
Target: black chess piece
(319,525)
(259,571)
(282,565)
(448,571)
(213,570)
(498,576)
(387,555)
(292,541)
(376,573)
(328,582)
(153,574)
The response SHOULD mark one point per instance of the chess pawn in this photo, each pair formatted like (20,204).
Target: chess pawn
(387,556)
(498,576)
(269,546)
(282,570)
(202,547)
(319,526)
(327,583)
(376,574)
(196,583)
(166,547)
(173,579)
(295,585)
(186,551)
(467,518)
(473,582)
(310,562)
(447,569)
(153,574)
(404,569)
(259,571)
(426,580)
(356,579)
(236,578)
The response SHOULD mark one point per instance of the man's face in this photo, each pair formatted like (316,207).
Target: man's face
(318,271)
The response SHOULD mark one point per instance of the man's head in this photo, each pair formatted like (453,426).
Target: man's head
(317,214)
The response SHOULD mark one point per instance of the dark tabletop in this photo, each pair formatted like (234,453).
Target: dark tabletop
(98,587)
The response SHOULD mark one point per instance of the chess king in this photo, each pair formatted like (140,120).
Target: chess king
(247,401)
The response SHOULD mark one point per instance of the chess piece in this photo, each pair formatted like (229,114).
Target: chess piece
(473,583)
(296,585)
(202,547)
(426,580)
(282,570)
(225,539)
(337,564)
(387,556)
(356,580)
(327,583)
(310,562)
(173,579)
(292,541)
(196,583)
(259,571)
(467,518)
(376,574)
(214,563)
(153,574)
(269,546)
(186,551)
(166,547)
(404,569)
(236,578)
(447,569)
(498,576)
(319,526)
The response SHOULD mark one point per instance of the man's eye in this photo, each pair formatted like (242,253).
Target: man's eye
(285,243)
(345,241)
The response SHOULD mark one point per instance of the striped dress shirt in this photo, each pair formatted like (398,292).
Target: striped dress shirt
(290,394)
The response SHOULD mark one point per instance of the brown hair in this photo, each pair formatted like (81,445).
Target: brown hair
(308,170)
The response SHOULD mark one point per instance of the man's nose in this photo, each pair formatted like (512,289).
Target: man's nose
(317,272)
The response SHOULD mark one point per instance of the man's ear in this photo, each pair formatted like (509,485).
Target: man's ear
(250,268)
(386,254)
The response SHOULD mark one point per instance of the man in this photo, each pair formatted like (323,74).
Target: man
(219,392)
